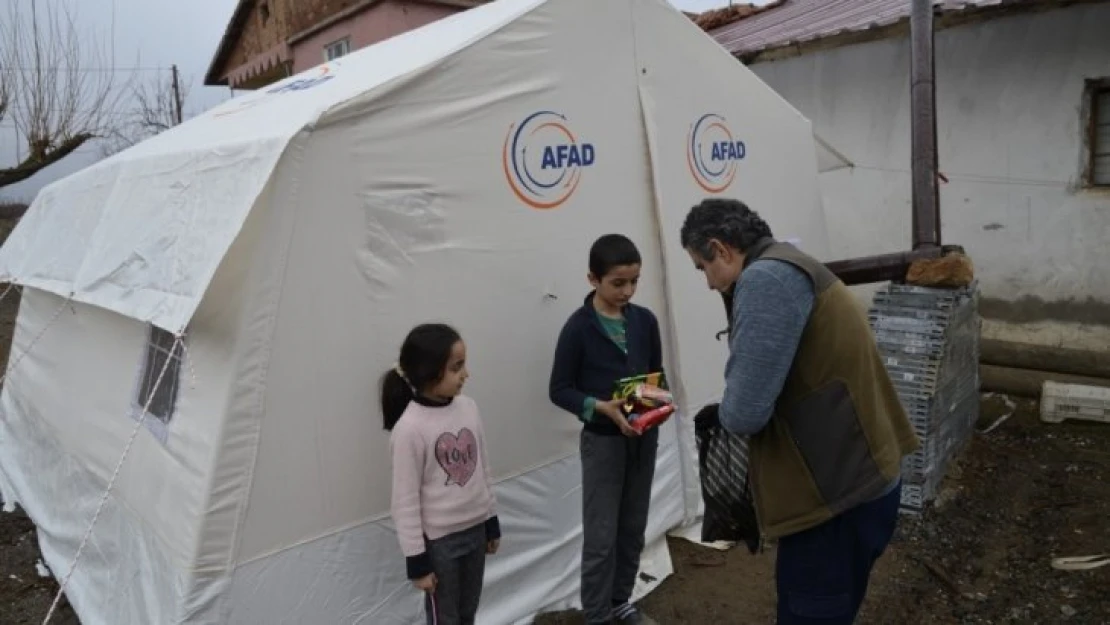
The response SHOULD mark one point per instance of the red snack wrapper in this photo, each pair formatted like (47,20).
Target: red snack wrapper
(652,418)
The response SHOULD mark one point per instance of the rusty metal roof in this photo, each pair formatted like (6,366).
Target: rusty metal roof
(797,22)
(715,18)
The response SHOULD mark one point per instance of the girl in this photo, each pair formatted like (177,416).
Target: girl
(443,504)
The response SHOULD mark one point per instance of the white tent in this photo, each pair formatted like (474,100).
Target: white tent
(455,173)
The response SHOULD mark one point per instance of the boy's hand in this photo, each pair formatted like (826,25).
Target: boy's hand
(626,428)
(612,409)
(492,546)
(426,583)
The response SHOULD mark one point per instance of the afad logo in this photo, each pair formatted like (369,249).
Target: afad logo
(305,83)
(300,84)
(713,153)
(543,159)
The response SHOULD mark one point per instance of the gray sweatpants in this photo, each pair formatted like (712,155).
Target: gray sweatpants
(616,491)
(459,562)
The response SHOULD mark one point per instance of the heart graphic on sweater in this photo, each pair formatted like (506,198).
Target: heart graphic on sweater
(458,455)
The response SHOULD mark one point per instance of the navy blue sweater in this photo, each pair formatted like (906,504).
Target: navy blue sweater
(588,363)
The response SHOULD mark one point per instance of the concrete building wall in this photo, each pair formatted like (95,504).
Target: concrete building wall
(1012,141)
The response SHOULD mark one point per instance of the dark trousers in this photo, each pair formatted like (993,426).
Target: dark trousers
(616,491)
(822,573)
(459,562)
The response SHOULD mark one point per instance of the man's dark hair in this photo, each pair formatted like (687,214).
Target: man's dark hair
(729,221)
(612,250)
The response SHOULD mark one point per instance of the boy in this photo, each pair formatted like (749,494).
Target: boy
(606,340)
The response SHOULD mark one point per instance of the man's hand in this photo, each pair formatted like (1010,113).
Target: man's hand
(492,546)
(612,409)
(426,583)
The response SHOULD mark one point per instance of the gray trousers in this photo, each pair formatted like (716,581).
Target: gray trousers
(459,562)
(616,491)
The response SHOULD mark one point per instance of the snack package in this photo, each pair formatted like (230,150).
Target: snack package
(651,418)
(624,387)
(642,393)
(647,402)
(647,395)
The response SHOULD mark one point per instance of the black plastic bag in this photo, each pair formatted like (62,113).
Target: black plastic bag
(725,488)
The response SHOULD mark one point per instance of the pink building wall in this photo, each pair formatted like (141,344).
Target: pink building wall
(381,21)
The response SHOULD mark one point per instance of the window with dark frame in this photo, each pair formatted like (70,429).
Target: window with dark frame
(337,49)
(162,397)
(1099,141)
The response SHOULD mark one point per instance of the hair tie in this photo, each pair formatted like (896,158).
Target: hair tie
(404,378)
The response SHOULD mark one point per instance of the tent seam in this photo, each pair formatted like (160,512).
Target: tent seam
(295,150)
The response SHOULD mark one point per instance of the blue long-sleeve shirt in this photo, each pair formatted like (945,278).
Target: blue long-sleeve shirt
(770,309)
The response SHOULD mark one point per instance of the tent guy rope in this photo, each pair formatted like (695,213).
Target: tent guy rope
(112,481)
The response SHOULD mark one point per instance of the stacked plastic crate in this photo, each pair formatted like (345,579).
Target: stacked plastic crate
(929,339)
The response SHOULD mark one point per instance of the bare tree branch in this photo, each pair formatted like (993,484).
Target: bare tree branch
(36,162)
(6,77)
(154,109)
(56,103)
(5,82)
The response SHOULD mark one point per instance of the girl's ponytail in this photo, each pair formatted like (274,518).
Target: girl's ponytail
(396,395)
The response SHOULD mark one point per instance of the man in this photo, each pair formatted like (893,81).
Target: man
(805,380)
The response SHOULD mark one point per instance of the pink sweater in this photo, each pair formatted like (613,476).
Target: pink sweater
(441,477)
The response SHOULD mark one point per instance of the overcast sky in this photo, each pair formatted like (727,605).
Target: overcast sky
(155,34)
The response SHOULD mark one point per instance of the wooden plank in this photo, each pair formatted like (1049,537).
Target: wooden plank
(1059,359)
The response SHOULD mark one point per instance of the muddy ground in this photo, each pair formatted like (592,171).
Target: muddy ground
(1020,495)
